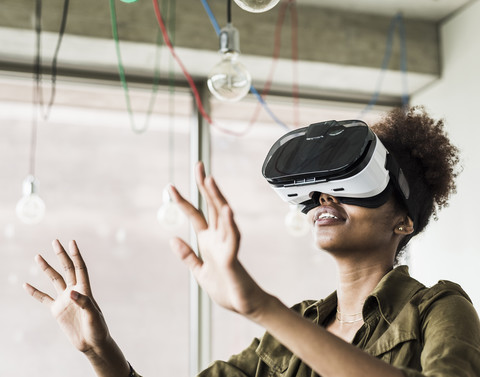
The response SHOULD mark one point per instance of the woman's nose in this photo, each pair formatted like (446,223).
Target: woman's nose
(326,198)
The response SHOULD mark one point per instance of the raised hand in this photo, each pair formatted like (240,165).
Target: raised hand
(74,308)
(218,271)
(78,314)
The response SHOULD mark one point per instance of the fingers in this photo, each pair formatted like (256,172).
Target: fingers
(228,227)
(211,208)
(38,295)
(52,274)
(81,273)
(217,196)
(74,268)
(83,301)
(210,191)
(66,262)
(212,195)
(198,221)
(186,254)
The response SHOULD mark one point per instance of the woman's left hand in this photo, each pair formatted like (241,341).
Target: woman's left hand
(218,270)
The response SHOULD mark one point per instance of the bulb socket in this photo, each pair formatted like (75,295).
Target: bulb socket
(30,185)
(229,39)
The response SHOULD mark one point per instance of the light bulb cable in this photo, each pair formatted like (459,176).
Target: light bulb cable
(291,6)
(188,77)
(123,78)
(211,17)
(397,20)
(37,69)
(171,5)
(253,90)
(229,11)
(38,103)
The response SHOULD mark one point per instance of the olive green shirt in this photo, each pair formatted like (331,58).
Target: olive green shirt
(422,331)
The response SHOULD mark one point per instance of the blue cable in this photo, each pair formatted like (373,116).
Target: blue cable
(263,103)
(397,19)
(254,91)
(403,60)
(212,18)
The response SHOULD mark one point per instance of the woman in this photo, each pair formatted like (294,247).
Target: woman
(379,322)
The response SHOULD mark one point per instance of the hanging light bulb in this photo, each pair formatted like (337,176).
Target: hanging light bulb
(30,208)
(256,6)
(229,80)
(296,222)
(169,215)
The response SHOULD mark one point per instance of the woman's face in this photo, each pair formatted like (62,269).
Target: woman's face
(341,228)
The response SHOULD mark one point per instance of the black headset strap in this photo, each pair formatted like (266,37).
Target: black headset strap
(401,184)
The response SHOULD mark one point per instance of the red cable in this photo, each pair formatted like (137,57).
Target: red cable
(295,90)
(276,53)
(190,81)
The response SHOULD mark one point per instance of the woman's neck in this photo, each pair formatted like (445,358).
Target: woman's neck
(355,282)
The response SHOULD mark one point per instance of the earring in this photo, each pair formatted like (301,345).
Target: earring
(400,228)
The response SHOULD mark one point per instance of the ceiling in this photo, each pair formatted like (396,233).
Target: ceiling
(341,44)
(432,10)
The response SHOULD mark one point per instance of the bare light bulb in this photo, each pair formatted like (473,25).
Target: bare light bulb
(169,215)
(229,80)
(30,208)
(256,6)
(296,222)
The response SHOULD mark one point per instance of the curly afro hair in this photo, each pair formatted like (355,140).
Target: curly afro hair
(428,159)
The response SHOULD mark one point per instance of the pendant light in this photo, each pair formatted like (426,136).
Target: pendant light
(296,222)
(257,6)
(30,208)
(229,80)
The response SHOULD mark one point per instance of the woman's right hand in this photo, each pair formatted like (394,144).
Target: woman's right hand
(74,308)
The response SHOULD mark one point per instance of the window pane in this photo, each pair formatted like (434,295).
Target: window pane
(102,185)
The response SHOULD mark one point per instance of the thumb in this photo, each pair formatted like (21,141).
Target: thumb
(186,254)
(82,301)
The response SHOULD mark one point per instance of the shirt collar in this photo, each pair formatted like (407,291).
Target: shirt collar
(392,293)
(319,311)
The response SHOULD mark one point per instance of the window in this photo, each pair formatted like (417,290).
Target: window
(102,185)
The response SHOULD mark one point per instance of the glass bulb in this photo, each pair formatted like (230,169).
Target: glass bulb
(169,215)
(256,6)
(296,222)
(30,208)
(229,80)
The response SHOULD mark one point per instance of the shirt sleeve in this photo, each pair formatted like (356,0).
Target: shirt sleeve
(451,337)
(244,364)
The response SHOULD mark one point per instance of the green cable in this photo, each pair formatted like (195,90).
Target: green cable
(121,72)
(168,7)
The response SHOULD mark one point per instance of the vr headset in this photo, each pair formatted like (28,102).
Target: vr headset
(344,159)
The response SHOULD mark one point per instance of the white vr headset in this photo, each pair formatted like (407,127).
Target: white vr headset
(344,159)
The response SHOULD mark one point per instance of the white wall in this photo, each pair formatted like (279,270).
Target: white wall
(449,248)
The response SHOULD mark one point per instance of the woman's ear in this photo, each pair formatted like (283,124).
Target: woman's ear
(404,227)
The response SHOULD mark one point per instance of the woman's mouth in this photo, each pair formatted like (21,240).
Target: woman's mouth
(327,216)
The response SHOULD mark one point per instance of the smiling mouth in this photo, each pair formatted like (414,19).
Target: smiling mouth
(327,218)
